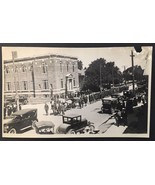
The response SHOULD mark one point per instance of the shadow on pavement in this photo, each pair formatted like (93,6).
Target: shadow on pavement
(138,124)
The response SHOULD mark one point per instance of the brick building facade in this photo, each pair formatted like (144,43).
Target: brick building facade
(41,76)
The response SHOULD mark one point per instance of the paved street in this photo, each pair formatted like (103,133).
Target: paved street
(91,112)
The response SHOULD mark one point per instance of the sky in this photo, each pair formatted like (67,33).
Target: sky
(119,55)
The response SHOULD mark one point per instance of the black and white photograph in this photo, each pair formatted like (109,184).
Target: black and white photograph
(60,92)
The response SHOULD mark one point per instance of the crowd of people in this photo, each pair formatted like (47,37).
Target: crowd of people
(126,105)
(10,108)
(59,105)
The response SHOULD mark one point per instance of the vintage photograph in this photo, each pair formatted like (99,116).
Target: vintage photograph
(76,92)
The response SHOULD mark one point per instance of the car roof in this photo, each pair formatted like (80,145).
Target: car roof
(118,93)
(72,115)
(24,111)
(109,98)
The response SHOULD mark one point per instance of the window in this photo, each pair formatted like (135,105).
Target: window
(60,66)
(44,68)
(25,85)
(26,116)
(16,69)
(17,85)
(67,67)
(23,68)
(61,83)
(31,68)
(73,68)
(39,86)
(7,70)
(8,86)
(74,82)
(45,84)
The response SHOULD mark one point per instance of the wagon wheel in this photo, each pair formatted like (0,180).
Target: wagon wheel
(71,131)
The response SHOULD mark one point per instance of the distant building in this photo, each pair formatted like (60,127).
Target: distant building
(41,76)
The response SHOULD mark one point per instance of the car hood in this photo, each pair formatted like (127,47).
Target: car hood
(12,121)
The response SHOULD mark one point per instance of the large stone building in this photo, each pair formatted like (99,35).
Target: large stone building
(41,76)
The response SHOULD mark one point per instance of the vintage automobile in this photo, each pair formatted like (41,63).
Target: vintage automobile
(20,121)
(117,95)
(74,124)
(128,94)
(109,105)
(43,127)
(22,100)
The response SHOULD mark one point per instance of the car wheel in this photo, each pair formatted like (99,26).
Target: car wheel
(71,131)
(12,131)
(91,128)
(57,131)
(34,123)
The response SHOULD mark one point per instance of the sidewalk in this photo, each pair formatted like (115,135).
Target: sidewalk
(115,130)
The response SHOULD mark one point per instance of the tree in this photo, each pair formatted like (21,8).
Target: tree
(138,73)
(100,73)
(80,65)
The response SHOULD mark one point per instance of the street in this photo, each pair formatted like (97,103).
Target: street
(91,112)
(64,82)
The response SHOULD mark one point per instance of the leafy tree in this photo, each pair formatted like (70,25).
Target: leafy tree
(100,73)
(138,73)
(80,64)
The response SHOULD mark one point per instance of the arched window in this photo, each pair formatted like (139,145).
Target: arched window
(62,83)
(60,66)
(74,82)
(31,67)
(73,68)
(7,69)
(16,69)
(44,68)
(67,66)
(23,68)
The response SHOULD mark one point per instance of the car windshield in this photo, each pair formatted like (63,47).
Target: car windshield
(71,120)
(16,117)
(107,102)
(76,119)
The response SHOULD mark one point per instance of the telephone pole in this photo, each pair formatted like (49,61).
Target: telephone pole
(133,77)
(100,80)
(113,77)
(124,74)
(14,55)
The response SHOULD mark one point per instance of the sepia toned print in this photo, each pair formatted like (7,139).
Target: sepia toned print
(76,92)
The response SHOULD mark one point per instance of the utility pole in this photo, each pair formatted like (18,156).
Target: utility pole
(113,77)
(124,75)
(100,80)
(66,89)
(14,55)
(33,79)
(133,77)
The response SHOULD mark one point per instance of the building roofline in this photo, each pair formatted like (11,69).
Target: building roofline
(40,57)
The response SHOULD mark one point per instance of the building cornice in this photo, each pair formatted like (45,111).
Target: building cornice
(40,57)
